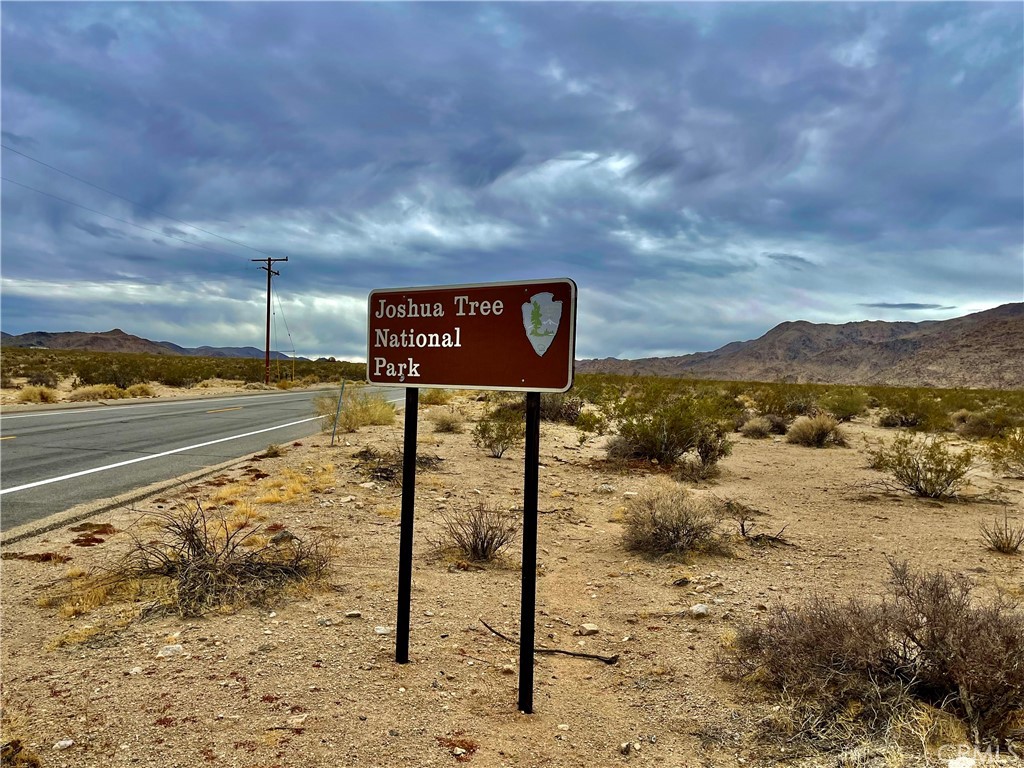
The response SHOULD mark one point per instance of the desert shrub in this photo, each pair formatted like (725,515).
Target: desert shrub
(657,424)
(853,669)
(591,422)
(448,421)
(845,403)
(917,409)
(989,423)
(210,564)
(499,430)
(308,380)
(42,377)
(1007,453)
(1006,537)
(818,431)
(560,407)
(140,390)
(97,392)
(6,382)
(757,427)
(435,396)
(359,409)
(786,400)
(924,466)
(669,519)
(479,533)
(712,446)
(284,384)
(38,395)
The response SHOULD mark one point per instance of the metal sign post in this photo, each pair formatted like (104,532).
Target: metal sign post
(412,396)
(528,602)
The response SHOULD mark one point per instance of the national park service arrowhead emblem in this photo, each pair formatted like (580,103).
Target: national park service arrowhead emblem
(541,315)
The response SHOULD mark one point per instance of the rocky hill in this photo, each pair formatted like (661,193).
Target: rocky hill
(982,350)
(117,340)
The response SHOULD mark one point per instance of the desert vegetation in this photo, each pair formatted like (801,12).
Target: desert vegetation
(688,542)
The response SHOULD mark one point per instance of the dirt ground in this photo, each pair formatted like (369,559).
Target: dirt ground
(308,682)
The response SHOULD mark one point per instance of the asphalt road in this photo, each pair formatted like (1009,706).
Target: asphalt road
(53,460)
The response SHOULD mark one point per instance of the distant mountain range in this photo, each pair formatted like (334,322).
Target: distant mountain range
(119,341)
(983,350)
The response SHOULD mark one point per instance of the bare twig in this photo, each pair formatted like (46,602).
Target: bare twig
(577,654)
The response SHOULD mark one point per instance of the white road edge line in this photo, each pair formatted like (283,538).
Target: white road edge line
(37,483)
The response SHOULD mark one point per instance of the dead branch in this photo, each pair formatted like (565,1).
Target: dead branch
(551,651)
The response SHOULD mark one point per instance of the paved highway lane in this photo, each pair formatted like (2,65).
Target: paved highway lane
(55,459)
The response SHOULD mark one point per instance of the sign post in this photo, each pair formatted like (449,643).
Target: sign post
(504,336)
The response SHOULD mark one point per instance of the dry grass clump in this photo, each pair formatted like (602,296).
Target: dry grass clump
(479,533)
(140,390)
(855,669)
(433,396)
(1006,537)
(97,392)
(207,564)
(925,466)
(669,519)
(448,421)
(819,431)
(357,410)
(38,395)
(757,427)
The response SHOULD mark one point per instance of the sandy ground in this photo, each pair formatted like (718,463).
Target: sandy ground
(302,684)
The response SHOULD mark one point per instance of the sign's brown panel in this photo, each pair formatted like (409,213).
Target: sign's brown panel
(513,336)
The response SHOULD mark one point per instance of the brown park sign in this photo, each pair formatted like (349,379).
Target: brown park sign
(511,336)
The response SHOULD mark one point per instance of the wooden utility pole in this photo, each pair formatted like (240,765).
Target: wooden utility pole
(270,273)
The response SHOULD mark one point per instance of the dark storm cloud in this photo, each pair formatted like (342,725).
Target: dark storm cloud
(668,156)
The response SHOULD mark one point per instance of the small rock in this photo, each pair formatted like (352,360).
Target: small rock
(563,726)
(681,582)
(699,610)
(630,494)
(508,669)
(700,589)
(297,720)
(393,733)
(135,671)
(625,747)
(353,614)
(324,622)
(346,499)
(381,630)
(606,488)
(272,614)
(458,751)
(370,484)
(588,629)
(64,744)
(170,650)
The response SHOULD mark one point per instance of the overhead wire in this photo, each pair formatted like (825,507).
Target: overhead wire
(129,200)
(115,218)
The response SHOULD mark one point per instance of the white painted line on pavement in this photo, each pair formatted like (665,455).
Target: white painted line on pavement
(37,483)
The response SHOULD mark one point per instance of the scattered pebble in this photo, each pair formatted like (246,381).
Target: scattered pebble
(699,610)
(381,630)
(588,629)
(563,726)
(353,614)
(170,650)
(64,744)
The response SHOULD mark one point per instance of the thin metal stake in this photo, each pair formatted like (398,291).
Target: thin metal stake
(528,602)
(337,413)
(412,396)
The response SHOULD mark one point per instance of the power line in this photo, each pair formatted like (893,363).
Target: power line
(129,200)
(115,218)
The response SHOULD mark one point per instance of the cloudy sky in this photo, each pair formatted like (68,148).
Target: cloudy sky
(703,171)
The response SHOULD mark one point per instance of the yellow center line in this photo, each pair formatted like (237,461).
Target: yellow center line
(9,437)
(221,410)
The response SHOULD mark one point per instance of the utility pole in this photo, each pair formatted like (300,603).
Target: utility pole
(270,273)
